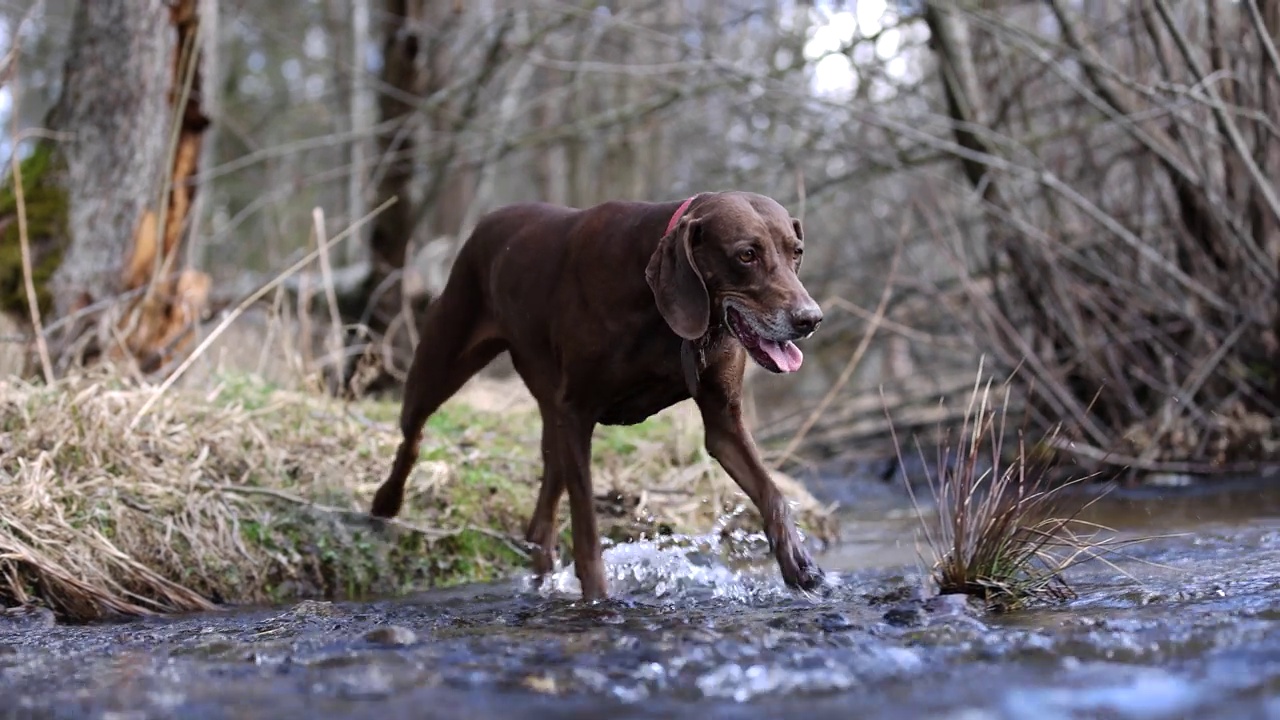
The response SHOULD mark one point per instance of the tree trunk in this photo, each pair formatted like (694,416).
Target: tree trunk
(132,74)
(361,122)
(402,76)
(379,299)
(117,68)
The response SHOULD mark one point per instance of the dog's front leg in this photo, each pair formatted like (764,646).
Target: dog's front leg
(731,445)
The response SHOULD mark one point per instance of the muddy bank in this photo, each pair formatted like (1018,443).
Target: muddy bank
(1186,627)
(115,500)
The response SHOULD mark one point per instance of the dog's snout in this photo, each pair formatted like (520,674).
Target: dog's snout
(806,318)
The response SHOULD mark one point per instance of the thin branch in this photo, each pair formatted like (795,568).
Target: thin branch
(255,297)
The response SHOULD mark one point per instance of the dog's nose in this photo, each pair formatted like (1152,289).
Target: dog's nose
(807,318)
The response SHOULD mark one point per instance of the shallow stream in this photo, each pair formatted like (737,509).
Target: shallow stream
(1182,627)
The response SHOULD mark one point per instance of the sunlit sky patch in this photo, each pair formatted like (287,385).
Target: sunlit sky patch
(834,72)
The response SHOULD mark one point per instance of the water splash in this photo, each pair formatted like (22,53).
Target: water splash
(670,568)
(732,565)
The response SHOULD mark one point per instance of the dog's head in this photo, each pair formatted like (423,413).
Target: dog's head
(733,258)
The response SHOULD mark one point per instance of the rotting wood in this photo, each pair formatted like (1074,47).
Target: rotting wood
(162,320)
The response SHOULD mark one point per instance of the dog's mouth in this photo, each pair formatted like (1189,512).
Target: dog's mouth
(778,356)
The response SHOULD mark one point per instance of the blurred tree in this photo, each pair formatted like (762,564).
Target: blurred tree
(418,94)
(129,125)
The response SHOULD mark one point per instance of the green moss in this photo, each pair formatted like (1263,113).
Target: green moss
(494,463)
(45,202)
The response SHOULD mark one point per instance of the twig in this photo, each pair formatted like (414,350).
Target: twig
(849,367)
(239,310)
(896,327)
(9,63)
(429,532)
(289,497)
(28,281)
(1089,452)
(326,273)
(1185,396)
(1264,36)
(1264,184)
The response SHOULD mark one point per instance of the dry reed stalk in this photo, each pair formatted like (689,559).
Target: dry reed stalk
(1000,533)
(33,304)
(331,296)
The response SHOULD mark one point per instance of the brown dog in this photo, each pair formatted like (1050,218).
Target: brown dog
(612,314)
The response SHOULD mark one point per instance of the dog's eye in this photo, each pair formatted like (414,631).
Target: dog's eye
(748,256)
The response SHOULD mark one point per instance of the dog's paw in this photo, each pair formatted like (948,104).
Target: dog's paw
(799,571)
(387,501)
(542,562)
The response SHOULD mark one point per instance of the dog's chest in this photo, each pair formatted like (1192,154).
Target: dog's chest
(637,382)
(637,403)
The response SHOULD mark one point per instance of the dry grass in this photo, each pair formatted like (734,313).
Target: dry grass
(1002,532)
(245,493)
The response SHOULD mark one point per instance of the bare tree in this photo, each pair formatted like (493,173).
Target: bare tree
(130,110)
(361,120)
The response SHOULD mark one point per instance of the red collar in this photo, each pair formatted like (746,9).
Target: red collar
(676,218)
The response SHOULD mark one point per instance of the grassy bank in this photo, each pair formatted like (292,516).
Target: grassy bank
(247,493)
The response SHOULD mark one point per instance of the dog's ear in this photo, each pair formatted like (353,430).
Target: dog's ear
(677,284)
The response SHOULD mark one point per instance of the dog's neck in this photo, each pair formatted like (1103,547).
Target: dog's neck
(693,355)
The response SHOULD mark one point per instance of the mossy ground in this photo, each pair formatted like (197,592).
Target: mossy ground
(243,492)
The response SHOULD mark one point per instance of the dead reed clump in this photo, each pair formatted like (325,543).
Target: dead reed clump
(1002,533)
(248,493)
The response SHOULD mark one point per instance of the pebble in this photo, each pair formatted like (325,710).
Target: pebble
(314,608)
(905,615)
(391,635)
(835,622)
(950,604)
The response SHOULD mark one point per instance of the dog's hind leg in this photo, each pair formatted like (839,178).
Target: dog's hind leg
(457,341)
(541,532)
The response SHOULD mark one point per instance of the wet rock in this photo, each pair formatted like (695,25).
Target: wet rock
(900,594)
(545,684)
(26,617)
(914,613)
(952,604)
(906,615)
(10,657)
(313,608)
(835,622)
(337,661)
(391,635)
(1170,480)
(124,715)
(216,648)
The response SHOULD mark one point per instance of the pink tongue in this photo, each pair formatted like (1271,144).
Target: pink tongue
(785,355)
